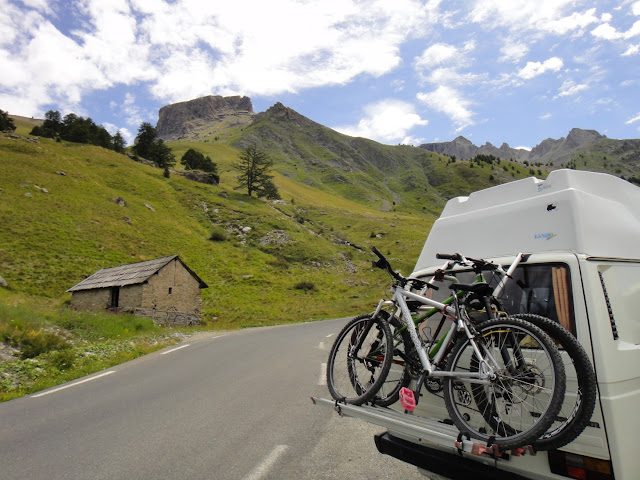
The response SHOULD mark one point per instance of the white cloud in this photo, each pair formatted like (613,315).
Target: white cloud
(522,15)
(397,85)
(42,5)
(453,77)
(283,46)
(534,69)
(634,31)
(633,120)
(632,50)
(436,54)
(412,140)
(546,116)
(440,54)
(449,101)
(134,116)
(189,48)
(125,132)
(635,8)
(606,32)
(513,51)
(388,121)
(570,88)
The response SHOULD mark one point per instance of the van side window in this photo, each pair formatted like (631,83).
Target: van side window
(542,290)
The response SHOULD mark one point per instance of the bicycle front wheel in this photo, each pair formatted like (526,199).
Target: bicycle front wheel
(524,396)
(360,359)
(402,364)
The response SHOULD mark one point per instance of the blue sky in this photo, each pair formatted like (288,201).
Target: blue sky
(395,71)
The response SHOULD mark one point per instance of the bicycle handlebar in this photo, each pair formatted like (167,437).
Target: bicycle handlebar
(384,264)
(450,256)
(478,264)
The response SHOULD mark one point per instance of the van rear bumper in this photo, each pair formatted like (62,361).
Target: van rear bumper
(439,462)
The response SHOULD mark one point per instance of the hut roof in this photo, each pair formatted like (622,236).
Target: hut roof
(131,274)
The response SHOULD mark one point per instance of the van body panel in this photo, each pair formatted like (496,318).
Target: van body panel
(617,359)
(571,211)
(593,441)
(582,231)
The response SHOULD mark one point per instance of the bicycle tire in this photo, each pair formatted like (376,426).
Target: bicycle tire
(573,417)
(399,375)
(360,359)
(516,407)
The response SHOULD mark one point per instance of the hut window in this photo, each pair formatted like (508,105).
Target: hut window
(170,290)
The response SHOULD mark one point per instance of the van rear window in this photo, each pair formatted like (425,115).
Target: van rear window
(543,289)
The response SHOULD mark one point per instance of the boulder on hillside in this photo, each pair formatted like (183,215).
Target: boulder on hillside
(202,177)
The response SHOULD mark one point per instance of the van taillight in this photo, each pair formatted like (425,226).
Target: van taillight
(579,466)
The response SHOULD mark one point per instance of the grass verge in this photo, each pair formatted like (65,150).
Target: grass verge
(41,350)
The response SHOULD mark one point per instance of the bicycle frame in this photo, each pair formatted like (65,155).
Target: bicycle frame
(458,325)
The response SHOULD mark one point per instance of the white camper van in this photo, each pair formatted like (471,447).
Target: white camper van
(582,231)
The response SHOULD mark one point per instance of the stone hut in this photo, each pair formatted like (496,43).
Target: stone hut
(164,289)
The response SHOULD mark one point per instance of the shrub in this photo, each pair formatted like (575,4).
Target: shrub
(219,235)
(305,285)
(63,359)
(33,343)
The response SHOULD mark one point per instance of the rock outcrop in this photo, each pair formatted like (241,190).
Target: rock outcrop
(203,117)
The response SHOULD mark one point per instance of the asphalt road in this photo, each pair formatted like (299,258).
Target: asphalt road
(233,406)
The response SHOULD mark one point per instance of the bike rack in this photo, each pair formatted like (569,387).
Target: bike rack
(420,429)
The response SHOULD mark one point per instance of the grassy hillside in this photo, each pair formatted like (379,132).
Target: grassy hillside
(382,177)
(61,223)
(617,157)
(68,210)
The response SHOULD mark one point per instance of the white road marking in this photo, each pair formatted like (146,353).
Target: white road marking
(267,463)
(321,346)
(323,375)
(330,335)
(72,384)
(177,348)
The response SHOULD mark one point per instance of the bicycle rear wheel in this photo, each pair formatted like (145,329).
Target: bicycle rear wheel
(517,406)
(360,359)
(580,396)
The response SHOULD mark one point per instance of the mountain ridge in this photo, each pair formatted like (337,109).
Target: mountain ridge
(548,152)
(212,116)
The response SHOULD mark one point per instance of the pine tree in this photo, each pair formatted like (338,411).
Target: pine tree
(254,166)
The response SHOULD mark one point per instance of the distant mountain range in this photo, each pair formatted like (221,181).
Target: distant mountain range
(206,118)
(548,152)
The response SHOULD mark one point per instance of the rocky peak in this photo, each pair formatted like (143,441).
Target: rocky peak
(460,140)
(578,137)
(179,120)
(279,112)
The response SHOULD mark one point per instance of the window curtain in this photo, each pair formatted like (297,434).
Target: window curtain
(561,295)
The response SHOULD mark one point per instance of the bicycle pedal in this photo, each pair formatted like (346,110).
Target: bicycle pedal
(407,399)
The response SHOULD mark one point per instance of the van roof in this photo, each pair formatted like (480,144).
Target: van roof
(572,211)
